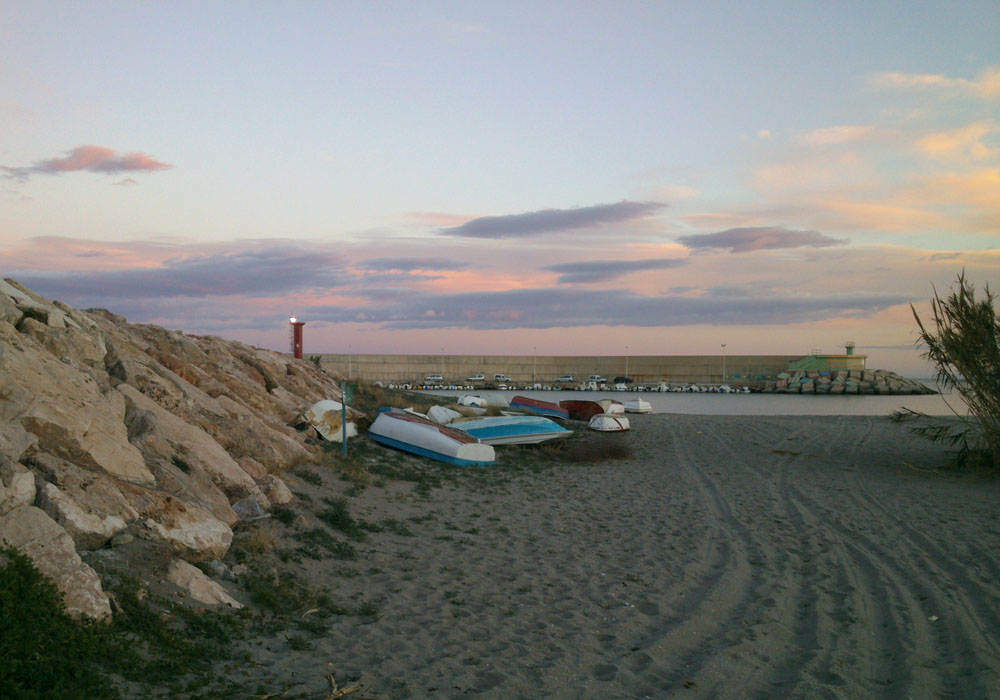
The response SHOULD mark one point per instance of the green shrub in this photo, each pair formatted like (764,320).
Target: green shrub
(964,345)
(44,653)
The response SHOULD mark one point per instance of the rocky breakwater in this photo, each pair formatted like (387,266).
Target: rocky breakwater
(869,381)
(147,439)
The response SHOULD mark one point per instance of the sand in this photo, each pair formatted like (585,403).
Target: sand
(727,557)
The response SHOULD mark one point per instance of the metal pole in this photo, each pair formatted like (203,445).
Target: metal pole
(723,362)
(534,352)
(626,362)
(343,415)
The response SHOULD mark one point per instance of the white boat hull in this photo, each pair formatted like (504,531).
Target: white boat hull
(637,406)
(419,436)
(325,417)
(609,423)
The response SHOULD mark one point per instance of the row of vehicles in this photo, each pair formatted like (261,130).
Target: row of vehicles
(501,378)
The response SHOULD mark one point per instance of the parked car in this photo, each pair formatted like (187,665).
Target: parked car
(433,379)
(565,379)
(476,378)
(501,379)
(623,380)
(598,378)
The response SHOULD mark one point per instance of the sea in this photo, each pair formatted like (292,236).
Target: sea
(715,404)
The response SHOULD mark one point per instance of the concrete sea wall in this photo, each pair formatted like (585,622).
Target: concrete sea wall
(739,369)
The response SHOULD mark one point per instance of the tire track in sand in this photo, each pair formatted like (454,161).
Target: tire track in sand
(725,585)
(917,650)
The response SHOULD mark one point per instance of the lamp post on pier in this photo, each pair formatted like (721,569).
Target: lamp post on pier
(723,362)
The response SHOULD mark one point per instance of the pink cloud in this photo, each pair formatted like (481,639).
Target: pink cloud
(89,158)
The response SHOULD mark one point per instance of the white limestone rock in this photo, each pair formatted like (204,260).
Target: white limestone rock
(199,586)
(17,485)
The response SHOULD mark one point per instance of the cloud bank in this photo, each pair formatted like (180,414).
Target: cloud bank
(94,159)
(412,264)
(745,240)
(565,308)
(552,220)
(603,270)
(251,273)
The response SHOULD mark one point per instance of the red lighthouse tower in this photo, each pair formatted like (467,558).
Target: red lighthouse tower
(295,336)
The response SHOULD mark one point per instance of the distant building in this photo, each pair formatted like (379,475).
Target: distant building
(820,361)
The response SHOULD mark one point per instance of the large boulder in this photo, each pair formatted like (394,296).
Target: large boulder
(68,344)
(88,504)
(9,313)
(66,410)
(17,485)
(32,305)
(160,433)
(191,531)
(199,586)
(31,531)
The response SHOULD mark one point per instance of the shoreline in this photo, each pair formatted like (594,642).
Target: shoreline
(728,556)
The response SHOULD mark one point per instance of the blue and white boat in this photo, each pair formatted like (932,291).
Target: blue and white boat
(416,434)
(512,430)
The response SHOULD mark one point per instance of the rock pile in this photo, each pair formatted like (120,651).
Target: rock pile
(869,381)
(114,432)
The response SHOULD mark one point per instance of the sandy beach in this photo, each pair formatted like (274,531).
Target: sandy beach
(727,557)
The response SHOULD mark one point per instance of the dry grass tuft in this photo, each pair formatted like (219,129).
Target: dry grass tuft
(261,538)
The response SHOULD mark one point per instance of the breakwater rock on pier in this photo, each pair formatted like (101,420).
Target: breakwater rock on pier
(119,441)
(868,381)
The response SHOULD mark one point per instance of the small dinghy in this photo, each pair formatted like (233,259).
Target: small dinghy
(325,417)
(637,406)
(612,406)
(474,401)
(420,436)
(538,407)
(512,430)
(581,410)
(442,415)
(609,423)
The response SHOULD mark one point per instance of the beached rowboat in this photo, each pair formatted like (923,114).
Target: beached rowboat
(325,417)
(637,406)
(413,433)
(581,410)
(538,407)
(609,423)
(512,430)
(612,406)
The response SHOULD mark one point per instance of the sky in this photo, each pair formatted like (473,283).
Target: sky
(551,178)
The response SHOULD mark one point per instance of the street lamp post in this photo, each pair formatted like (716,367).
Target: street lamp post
(534,354)
(723,362)
(626,362)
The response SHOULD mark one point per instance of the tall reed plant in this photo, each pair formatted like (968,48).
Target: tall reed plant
(963,343)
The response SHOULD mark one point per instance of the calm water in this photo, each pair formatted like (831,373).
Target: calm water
(752,404)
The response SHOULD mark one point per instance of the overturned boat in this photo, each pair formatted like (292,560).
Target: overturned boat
(609,423)
(581,410)
(326,418)
(538,407)
(637,406)
(512,430)
(416,434)
(612,406)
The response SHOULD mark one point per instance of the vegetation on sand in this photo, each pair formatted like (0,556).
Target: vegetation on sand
(963,343)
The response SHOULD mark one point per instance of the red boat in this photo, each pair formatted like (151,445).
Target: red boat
(582,410)
(538,407)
